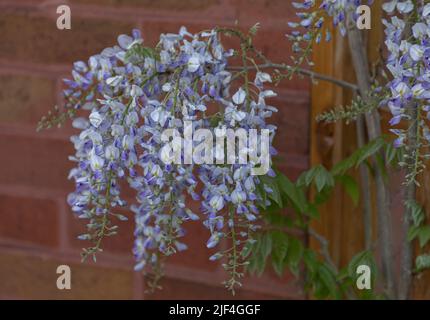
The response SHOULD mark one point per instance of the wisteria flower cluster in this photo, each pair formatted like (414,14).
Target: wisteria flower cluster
(408,44)
(310,26)
(132,93)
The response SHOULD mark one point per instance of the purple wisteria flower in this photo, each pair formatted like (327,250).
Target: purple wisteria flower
(132,94)
(312,19)
(408,62)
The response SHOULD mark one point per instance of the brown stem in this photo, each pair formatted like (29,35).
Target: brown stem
(410,190)
(410,195)
(361,67)
(325,252)
(302,71)
(365,186)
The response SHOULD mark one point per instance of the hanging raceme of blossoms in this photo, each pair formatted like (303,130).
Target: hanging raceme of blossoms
(408,44)
(408,59)
(312,20)
(132,93)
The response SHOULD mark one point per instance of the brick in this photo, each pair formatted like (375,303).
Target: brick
(261,10)
(37,39)
(29,277)
(197,255)
(292,170)
(30,220)
(170,5)
(184,290)
(35,162)
(292,120)
(25,98)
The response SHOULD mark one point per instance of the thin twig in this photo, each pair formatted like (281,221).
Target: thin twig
(324,248)
(302,71)
(325,251)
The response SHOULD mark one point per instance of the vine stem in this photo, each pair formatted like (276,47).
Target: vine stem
(410,195)
(413,138)
(324,244)
(302,71)
(245,39)
(233,254)
(365,186)
(361,67)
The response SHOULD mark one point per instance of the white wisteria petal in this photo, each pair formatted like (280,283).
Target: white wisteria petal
(239,96)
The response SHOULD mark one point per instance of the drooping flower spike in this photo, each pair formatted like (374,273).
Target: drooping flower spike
(132,94)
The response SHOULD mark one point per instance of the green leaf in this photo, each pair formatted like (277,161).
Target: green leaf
(312,209)
(260,190)
(362,258)
(424,235)
(257,262)
(294,254)
(390,152)
(412,233)
(319,175)
(310,260)
(272,184)
(301,180)
(344,165)
(309,176)
(351,187)
(260,264)
(293,193)
(278,218)
(323,196)
(266,244)
(422,262)
(141,51)
(327,277)
(358,156)
(370,149)
(416,212)
(323,178)
(279,252)
(247,249)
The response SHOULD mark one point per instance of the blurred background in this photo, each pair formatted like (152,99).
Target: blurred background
(37,230)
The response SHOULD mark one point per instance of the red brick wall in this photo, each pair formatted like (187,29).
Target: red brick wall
(37,230)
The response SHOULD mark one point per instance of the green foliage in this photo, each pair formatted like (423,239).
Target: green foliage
(317,175)
(294,194)
(351,187)
(422,262)
(55,118)
(279,250)
(141,52)
(348,113)
(359,156)
(420,231)
(272,183)
(285,251)
(280,243)
(393,156)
